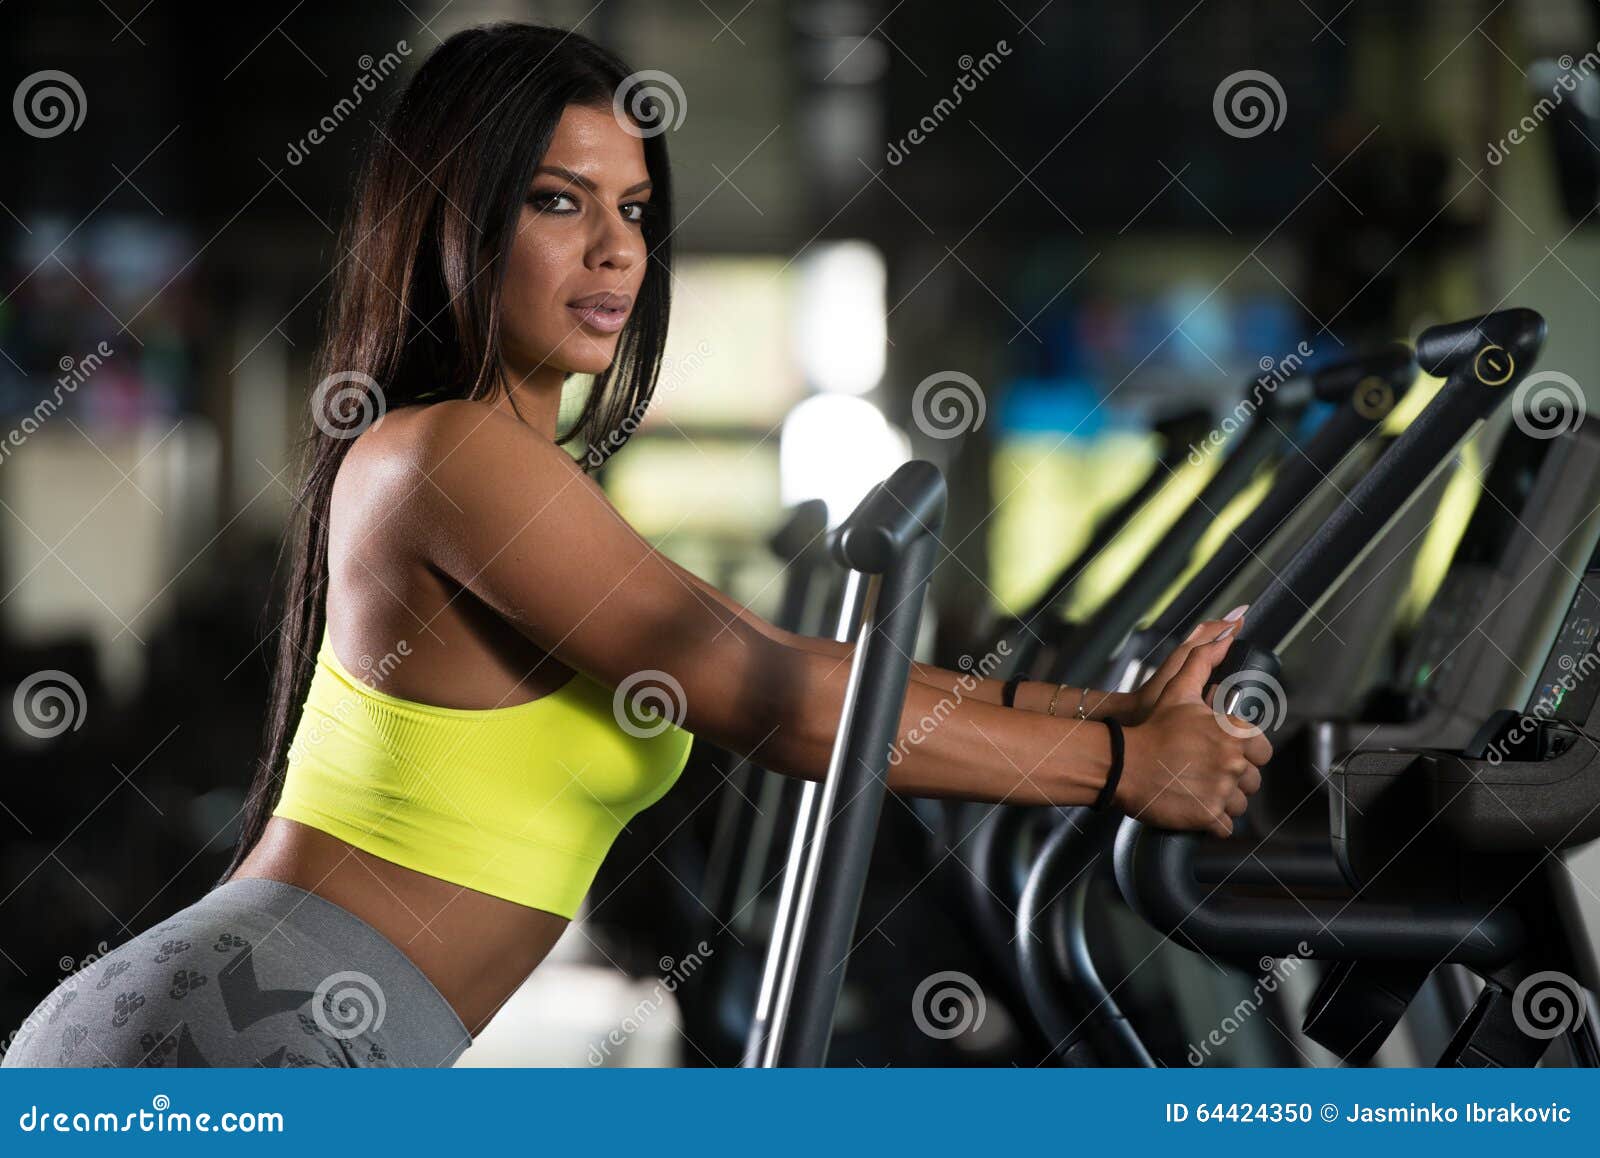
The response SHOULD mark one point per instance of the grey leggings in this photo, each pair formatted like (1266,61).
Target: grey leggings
(254,973)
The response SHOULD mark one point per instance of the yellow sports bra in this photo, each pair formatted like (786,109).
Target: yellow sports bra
(521,802)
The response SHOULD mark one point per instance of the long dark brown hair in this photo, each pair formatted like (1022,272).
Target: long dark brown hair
(414,312)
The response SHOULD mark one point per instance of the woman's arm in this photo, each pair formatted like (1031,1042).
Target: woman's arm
(513,519)
(1128,708)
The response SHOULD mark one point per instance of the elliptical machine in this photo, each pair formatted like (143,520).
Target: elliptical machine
(1455,856)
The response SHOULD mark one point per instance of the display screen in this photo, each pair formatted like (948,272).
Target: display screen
(1570,681)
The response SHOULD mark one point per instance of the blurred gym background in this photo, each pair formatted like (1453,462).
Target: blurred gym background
(1003,236)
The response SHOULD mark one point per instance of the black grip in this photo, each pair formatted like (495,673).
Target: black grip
(1463,401)
(1471,344)
(802,532)
(1353,379)
(895,513)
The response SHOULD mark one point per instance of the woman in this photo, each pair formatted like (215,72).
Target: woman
(418,836)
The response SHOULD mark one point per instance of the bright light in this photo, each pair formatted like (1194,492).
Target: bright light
(835,447)
(841,324)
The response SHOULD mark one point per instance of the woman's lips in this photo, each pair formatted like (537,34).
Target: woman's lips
(607,321)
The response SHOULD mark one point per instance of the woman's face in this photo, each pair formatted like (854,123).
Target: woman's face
(578,258)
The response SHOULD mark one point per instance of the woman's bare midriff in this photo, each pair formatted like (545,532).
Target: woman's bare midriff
(476,948)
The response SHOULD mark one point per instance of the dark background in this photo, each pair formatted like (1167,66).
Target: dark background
(1078,230)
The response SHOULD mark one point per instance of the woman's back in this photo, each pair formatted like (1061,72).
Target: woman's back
(384,592)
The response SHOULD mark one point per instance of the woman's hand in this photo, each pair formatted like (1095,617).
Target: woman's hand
(1181,768)
(1143,701)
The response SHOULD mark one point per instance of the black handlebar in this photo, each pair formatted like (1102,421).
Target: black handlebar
(1444,349)
(896,513)
(1174,435)
(893,534)
(1157,876)
(1366,389)
(1482,359)
(1360,380)
(1477,380)
(1092,643)
(802,533)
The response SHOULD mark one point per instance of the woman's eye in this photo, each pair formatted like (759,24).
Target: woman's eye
(545,202)
(637,211)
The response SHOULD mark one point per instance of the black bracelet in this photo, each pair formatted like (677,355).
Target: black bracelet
(1008,694)
(1103,801)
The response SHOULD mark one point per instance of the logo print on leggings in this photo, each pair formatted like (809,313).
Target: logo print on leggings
(169,950)
(157,1050)
(175,1047)
(243,997)
(185,982)
(67,998)
(126,1005)
(348,1004)
(71,1042)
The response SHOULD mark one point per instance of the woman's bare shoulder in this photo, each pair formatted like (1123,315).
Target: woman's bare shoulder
(466,444)
(457,435)
(452,468)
